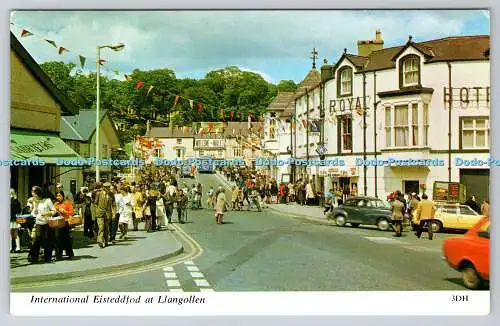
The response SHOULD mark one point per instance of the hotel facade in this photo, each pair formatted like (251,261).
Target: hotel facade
(392,108)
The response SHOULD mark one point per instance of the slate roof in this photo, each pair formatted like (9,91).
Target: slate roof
(281,101)
(457,48)
(312,79)
(67,106)
(80,126)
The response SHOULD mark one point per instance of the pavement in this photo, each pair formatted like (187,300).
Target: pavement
(141,248)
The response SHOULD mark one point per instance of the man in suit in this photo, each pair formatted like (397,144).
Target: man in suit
(424,215)
(104,203)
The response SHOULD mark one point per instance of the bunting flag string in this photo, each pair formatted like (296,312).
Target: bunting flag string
(51,43)
(62,50)
(81,59)
(25,33)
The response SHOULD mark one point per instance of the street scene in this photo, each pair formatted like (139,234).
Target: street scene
(225,163)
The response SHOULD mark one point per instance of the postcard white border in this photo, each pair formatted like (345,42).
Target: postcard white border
(5,318)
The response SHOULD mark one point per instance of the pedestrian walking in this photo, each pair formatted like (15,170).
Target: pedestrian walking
(125,221)
(104,207)
(425,215)
(43,208)
(181,202)
(310,196)
(83,204)
(220,207)
(485,208)
(329,200)
(137,206)
(161,214)
(397,215)
(63,239)
(150,212)
(15,208)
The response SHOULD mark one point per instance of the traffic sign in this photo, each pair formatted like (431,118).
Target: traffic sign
(321,149)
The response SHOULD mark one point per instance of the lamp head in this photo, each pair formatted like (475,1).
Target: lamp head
(117,47)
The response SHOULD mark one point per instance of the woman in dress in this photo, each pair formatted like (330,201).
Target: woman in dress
(125,209)
(220,206)
(15,208)
(64,242)
(43,208)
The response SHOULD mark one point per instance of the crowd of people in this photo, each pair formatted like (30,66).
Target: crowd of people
(254,186)
(107,211)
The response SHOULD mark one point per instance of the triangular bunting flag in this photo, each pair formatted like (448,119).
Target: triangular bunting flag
(82,61)
(200,107)
(177,97)
(222,114)
(139,84)
(51,43)
(191,103)
(61,50)
(149,90)
(128,78)
(231,114)
(101,61)
(25,33)
(201,130)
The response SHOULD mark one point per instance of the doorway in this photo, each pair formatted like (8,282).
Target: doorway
(411,186)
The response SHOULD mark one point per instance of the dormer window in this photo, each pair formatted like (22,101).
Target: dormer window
(409,71)
(344,84)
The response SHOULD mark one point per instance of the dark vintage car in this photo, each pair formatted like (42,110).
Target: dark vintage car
(363,211)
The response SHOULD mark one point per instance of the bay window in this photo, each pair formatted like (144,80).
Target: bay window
(388,127)
(426,124)
(401,129)
(414,124)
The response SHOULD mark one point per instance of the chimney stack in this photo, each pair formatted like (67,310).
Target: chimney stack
(367,47)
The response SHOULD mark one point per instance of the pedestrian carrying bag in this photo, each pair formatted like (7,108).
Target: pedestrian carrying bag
(75,220)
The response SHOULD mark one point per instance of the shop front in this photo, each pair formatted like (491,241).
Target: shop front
(35,158)
(343,180)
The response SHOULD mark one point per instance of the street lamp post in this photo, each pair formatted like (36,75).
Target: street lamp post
(116,47)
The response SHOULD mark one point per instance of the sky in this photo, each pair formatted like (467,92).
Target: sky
(275,44)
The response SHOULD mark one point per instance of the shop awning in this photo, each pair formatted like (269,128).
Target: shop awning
(32,145)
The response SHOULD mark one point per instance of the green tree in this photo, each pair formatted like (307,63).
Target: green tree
(287,86)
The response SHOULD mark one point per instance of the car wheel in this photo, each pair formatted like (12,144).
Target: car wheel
(354,225)
(436,226)
(470,277)
(383,224)
(340,220)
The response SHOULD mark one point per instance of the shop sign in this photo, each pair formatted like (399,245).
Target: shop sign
(37,147)
(348,104)
(467,95)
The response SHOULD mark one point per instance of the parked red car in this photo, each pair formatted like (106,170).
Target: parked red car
(470,254)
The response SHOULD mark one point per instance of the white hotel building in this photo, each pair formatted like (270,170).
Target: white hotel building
(405,90)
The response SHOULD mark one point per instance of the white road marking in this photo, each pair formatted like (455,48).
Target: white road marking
(168,269)
(192,268)
(176,290)
(197,274)
(382,239)
(170,275)
(172,283)
(188,262)
(206,290)
(201,283)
